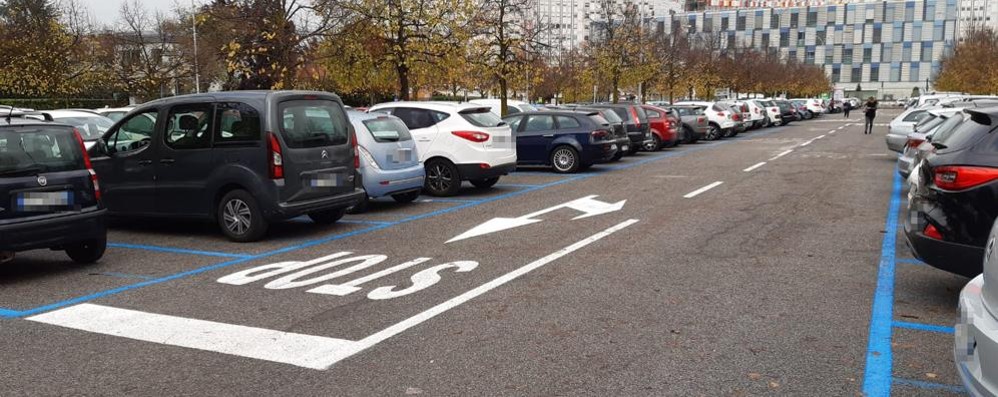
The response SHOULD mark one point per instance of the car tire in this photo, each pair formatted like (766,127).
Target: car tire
(87,252)
(713,132)
(360,207)
(327,217)
(485,183)
(240,218)
(617,156)
(442,178)
(654,145)
(406,197)
(687,136)
(565,159)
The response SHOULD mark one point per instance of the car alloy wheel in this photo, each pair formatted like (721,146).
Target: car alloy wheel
(237,216)
(564,159)
(440,178)
(712,133)
(654,144)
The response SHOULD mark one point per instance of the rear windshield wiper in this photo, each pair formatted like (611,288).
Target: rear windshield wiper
(25,170)
(938,145)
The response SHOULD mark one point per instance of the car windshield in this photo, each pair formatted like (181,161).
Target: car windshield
(313,123)
(115,115)
(91,127)
(387,129)
(526,107)
(481,117)
(915,116)
(36,149)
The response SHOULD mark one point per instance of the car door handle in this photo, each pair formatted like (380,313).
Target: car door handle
(549,136)
(145,162)
(167,161)
(424,139)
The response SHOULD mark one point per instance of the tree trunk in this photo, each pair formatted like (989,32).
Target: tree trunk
(503,96)
(403,72)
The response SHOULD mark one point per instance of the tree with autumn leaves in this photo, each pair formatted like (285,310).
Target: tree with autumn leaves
(971,66)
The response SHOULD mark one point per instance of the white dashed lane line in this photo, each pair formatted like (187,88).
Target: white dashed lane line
(703,189)
(752,168)
(781,155)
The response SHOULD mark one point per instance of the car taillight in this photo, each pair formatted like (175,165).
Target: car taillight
(599,135)
(367,157)
(87,163)
(914,143)
(356,151)
(276,159)
(963,177)
(474,136)
(700,120)
(757,111)
(634,113)
(932,232)
(720,114)
(776,110)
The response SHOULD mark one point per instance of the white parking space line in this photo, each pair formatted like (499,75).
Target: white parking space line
(819,137)
(806,143)
(263,344)
(703,189)
(752,168)
(781,154)
(309,351)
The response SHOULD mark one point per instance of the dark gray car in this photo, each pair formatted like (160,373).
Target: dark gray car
(243,159)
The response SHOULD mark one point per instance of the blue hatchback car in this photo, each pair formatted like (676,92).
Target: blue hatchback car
(565,140)
(389,163)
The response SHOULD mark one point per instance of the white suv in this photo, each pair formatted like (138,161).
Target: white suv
(512,106)
(719,120)
(456,142)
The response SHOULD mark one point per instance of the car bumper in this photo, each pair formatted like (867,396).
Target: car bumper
(380,183)
(54,232)
(905,164)
(962,259)
(895,142)
(599,153)
(975,346)
(293,210)
(477,171)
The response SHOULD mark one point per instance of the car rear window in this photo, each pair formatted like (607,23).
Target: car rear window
(947,127)
(481,117)
(36,149)
(964,136)
(928,122)
(915,116)
(599,120)
(313,123)
(611,116)
(91,128)
(387,129)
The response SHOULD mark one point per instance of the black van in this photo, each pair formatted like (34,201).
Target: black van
(49,195)
(243,159)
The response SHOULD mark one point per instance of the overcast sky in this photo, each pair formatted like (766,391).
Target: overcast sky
(105,12)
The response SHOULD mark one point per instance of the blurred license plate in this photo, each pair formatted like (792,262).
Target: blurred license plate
(402,155)
(43,201)
(326,180)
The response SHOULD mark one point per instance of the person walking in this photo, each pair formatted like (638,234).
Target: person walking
(846,107)
(870,111)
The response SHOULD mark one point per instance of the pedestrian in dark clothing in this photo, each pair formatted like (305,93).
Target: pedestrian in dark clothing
(846,107)
(870,111)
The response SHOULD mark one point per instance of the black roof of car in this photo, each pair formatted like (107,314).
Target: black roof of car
(558,112)
(237,95)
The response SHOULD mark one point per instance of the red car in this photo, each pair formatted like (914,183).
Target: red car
(665,132)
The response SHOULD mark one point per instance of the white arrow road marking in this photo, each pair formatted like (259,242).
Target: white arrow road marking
(589,205)
(703,189)
(309,351)
(752,168)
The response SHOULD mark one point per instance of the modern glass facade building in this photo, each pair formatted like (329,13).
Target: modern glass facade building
(890,46)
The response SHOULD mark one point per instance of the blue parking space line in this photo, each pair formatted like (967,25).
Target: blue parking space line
(8,313)
(957,389)
(246,258)
(124,275)
(515,185)
(943,329)
(362,222)
(909,261)
(877,373)
(176,250)
(448,200)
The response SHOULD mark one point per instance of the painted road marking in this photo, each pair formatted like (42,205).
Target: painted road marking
(301,350)
(703,189)
(752,168)
(589,205)
(806,143)
(781,154)
(819,137)
(263,344)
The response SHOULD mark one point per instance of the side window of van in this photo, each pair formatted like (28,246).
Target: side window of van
(133,134)
(237,122)
(189,126)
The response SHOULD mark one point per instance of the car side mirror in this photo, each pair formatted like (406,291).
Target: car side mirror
(100,149)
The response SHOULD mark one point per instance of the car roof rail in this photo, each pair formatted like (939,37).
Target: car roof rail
(22,114)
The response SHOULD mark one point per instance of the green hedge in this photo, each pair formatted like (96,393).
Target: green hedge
(63,103)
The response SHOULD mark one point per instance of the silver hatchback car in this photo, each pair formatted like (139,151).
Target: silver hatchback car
(389,162)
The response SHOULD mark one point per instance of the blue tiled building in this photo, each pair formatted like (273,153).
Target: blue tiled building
(890,46)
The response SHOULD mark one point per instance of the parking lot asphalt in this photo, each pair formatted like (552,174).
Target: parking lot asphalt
(754,265)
